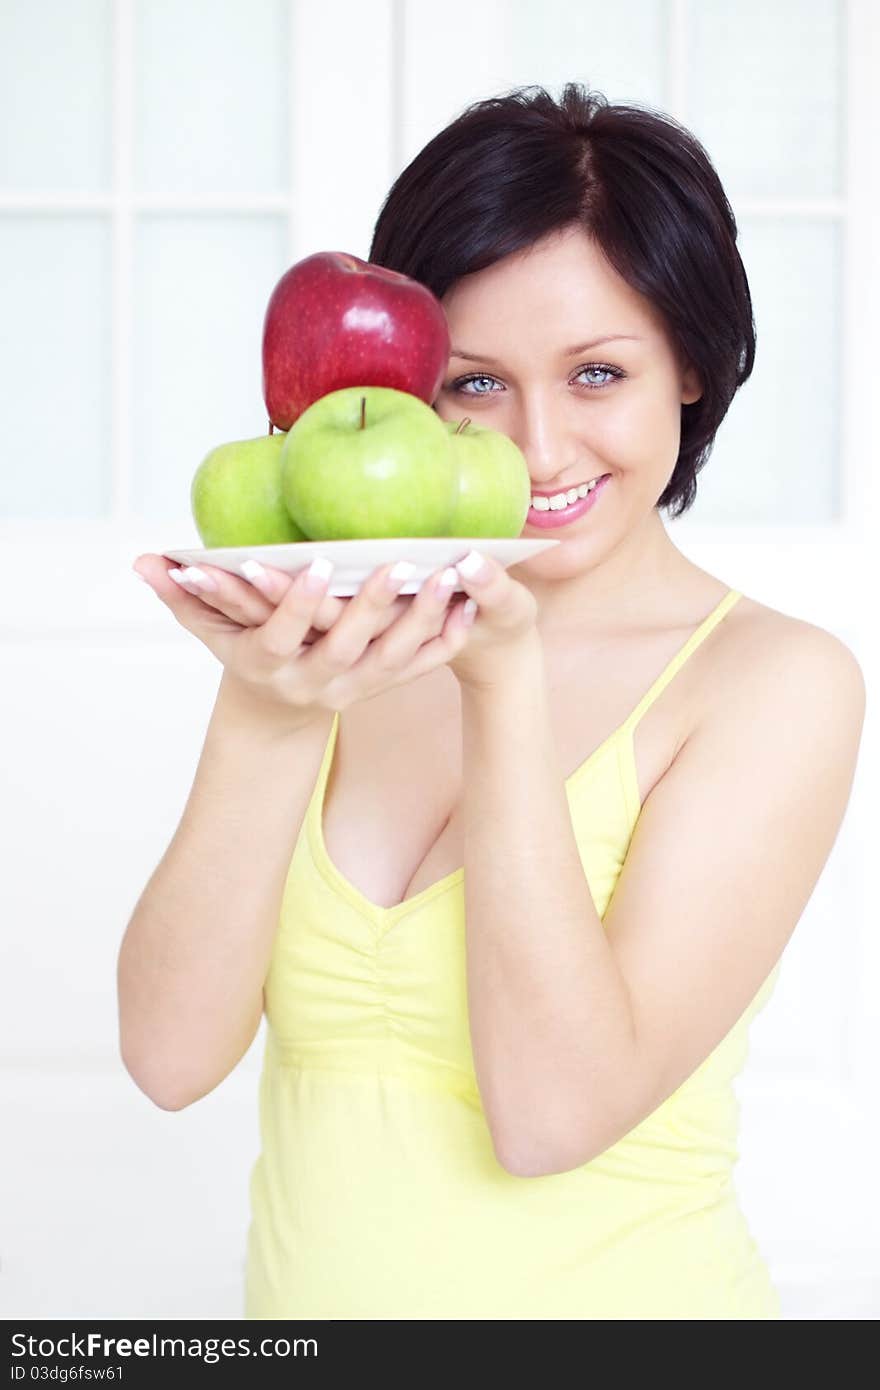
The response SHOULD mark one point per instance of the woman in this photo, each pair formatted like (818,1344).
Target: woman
(537,881)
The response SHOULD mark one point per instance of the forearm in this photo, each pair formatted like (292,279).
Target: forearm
(550,1020)
(196,950)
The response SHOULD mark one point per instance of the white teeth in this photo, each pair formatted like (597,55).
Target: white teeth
(560,500)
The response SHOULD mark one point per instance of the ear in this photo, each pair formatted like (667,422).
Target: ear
(691,386)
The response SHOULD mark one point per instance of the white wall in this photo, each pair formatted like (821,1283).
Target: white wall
(144,217)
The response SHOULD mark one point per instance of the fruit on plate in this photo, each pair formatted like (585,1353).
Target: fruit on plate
(494,486)
(369,461)
(236,496)
(334,321)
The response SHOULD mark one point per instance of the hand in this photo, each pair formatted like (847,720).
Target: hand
(233,603)
(505,625)
(373,641)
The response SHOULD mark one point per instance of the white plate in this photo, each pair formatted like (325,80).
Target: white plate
(354,561)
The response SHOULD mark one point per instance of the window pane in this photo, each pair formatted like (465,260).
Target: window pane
(483,50)
(619,51)
(766,94)
(54,367)
(55,94)
(777,454)
(202,286)
(211,96)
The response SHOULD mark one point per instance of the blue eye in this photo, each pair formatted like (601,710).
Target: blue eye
(614,373)
(597,386)
(465,380)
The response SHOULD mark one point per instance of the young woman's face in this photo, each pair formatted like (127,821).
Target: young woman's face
(576,413)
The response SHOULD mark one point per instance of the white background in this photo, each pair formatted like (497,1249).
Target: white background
(162,162)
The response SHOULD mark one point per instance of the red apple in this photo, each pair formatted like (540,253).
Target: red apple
(334,321)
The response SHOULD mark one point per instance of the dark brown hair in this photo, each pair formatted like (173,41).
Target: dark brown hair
(512,169)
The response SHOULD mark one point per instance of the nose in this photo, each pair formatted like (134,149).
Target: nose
(542,436)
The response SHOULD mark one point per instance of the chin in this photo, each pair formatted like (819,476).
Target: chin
(560,562)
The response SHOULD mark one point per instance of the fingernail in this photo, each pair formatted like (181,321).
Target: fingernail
(254,572)
(140,576)
(473,566)
(470,612)
(318,574)
(181,581)
(402,571)
(193,575)
(448,579)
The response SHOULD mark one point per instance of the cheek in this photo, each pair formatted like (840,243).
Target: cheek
(637,434)
(619,438)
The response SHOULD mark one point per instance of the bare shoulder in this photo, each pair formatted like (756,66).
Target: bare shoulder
(775,662)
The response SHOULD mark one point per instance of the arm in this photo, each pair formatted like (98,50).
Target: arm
(197,947)
(581,1030)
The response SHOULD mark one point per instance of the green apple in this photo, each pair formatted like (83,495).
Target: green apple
(494,487)
(369,461)
(236,495)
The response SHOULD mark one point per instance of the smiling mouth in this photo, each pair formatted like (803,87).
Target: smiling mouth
(556,501)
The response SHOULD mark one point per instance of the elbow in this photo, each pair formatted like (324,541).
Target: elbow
(537,1152)
(170,1102)
(540,1156)
(517,1168)
(538,1163)
(559,1139)
(160,1090)
(532,1155)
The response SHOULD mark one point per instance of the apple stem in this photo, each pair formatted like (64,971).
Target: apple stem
(271,428)
(363,424)
(463,425)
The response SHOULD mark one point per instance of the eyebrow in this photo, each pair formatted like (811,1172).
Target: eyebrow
(567,352)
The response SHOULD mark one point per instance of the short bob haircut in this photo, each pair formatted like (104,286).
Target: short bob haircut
(514,168)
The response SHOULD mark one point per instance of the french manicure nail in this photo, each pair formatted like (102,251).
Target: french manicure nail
(473,566)
(183,581)
(255,574)
(448,579)
(193,575)
(402,571)
(318,573)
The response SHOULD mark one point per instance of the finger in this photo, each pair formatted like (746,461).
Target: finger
(156,570)
(273,584)
(218,591)
(331,608)
(384,619)
(212,627)
(421,624)
(388,659)
(281,635)
(229,593)
(437,651)
(366,616)
(482,578)
(186,603)
(500,600)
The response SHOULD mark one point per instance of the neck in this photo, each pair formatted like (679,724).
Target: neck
(626,588)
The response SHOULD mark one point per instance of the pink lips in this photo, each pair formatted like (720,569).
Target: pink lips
(549,520)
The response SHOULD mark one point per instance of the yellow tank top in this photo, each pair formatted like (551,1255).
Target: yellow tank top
(377,1193)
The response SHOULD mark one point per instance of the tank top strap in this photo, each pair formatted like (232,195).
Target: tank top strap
(326,761)
(681,656)
(659,685)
